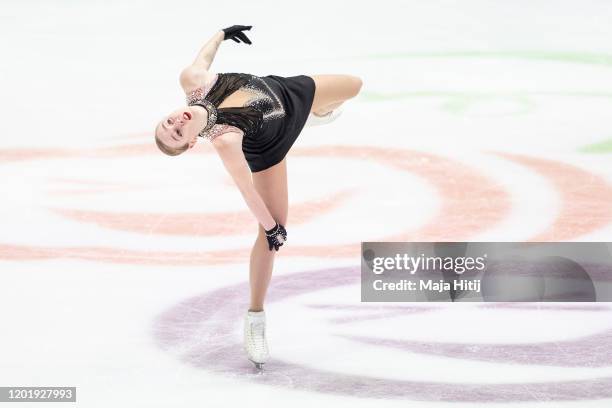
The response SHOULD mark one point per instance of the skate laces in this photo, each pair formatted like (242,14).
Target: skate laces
(257,337)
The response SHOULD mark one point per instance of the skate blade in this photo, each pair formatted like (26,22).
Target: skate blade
(258,366)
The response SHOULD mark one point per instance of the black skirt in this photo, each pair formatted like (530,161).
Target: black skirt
(274,139)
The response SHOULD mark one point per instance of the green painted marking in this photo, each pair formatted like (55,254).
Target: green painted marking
(573,57)
(604,146)
(369,96)
(459,101)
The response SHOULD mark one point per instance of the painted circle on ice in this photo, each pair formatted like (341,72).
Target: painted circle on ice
(200,332)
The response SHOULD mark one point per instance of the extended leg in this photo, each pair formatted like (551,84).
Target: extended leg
(332,90)
(326,109)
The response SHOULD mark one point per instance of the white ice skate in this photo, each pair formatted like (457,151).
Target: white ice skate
(314,120)
(255,338)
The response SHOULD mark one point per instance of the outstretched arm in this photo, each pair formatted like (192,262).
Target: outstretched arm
(229,147)
(194,75)
(207,53)
(209,50)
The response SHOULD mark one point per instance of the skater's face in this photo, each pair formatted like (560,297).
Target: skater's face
(177,131)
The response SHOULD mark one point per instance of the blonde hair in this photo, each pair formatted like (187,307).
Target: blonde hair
(170,151)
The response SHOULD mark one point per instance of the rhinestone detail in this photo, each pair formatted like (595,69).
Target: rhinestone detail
(201,92)
(264,99)
(212,115)
(197,96)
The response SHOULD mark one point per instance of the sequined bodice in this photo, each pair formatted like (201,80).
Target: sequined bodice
(264,105)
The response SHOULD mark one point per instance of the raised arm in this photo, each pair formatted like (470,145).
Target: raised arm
(196,74)
(229,147)
(209,50)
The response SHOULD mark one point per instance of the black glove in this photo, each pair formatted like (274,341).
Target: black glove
(236,33)
(276,236)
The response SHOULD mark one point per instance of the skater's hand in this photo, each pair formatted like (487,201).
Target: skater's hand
(276,236)
(236,33)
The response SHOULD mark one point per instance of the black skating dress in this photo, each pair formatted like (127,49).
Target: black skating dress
(270,121)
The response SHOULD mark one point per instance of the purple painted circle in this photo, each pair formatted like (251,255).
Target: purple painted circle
(200,331)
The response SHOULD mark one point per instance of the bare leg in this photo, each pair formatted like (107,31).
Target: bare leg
(326,109)
(260,271)
(333,90)
(271,184)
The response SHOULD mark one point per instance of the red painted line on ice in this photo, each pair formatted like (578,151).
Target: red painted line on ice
(13,155)
(585,197)
(462,190)
(470,203)
(69,186)
(200,223)
(122,256)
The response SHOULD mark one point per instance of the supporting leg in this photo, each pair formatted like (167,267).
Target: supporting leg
(260,271)
(271,184)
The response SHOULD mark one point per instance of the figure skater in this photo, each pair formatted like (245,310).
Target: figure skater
(252,122)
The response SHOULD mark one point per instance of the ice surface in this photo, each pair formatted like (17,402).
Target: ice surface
(124,272)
